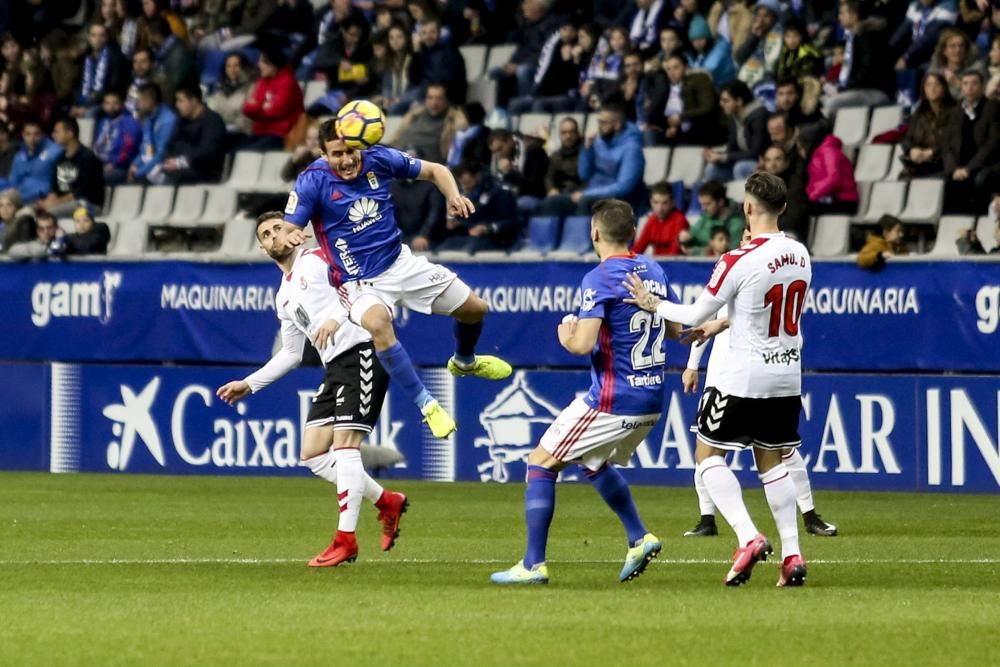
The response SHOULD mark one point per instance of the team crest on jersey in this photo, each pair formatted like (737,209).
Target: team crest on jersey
(293,202)
(588,299)
(372,180)
(303,285)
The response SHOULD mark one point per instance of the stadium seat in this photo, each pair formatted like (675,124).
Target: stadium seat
(66,225)
(589,127)
(851,126)
(157,203)
(270,172)
(896,164)
(735,190)
(575,238)
(686,165)
(188,206)
(392,124)
(532,124)
(883,120)
(984,230)
(484,91)
(313,91)
(887,197)
(499,55)
(474,56)
(830,236)
(657,159)
(554,141)
(130,239)
(924,201)
(873,162)
(126,202)
(947,233)
(543,232)
(220,205)
(238,238)
(246,171)
(86,126)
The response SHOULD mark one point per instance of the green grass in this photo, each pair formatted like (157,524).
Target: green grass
(212,571)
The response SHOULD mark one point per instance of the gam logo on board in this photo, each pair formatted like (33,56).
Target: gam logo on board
(75,299)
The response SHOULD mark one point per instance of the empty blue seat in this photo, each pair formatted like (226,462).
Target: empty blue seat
(576,235)
(543,232)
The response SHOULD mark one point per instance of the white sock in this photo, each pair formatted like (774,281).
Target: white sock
(350,487)
(323,466)
(780,491)
(796,466)
(373,490)
(724,490)
(705,504)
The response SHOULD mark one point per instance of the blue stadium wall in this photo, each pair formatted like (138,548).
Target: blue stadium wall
(902,393)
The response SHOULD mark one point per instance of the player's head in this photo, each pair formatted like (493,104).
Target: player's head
(612,226)
(343,159)
(272,233)
(766,198)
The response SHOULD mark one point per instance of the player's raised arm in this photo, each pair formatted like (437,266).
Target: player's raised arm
(692,315)
(459,206)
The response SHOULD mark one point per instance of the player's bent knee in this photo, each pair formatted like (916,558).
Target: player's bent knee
(472,311)
(378,323)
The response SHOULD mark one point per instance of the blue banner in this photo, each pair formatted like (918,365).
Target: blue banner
(911,316)
(871,432)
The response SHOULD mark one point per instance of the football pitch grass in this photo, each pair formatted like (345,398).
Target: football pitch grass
(100,570)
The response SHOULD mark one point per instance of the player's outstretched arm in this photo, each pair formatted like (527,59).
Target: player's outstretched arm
(459,206)
(692,315)
(231,392)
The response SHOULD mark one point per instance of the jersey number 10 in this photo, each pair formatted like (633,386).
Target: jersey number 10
(644,324)
(785,306)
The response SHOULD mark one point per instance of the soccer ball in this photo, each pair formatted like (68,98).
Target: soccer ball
(360,124)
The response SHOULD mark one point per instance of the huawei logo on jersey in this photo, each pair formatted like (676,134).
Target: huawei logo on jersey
(363,213)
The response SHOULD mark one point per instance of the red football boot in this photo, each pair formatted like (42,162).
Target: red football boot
(343,550)
(391,506)
(745,558)
(793,572)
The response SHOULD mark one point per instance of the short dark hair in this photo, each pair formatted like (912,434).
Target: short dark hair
(783,115)
(45,215)
(70,125)
(769,190)
(160,27)
(738,91)
(190,92)
(327,132)
(570,119)
(32,121)
(498,134)
(617,109)
(720,229)
(661,188)
(475,114)
(973,71)
(264,217)
(887,222)
(853,6)
(274,54)
(115,93)
(789,81)
(471,167)
(145,49)
(615,219)
(676,55)
(152,90)
(714,189)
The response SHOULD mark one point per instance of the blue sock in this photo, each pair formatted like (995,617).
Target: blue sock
(614,489)
(539,506)
(466,337)
(396,362)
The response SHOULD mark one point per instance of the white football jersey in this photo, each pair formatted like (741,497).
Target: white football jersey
(305,300)
(764,285)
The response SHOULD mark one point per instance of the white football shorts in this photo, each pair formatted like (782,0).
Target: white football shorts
(581,434)
(412,282)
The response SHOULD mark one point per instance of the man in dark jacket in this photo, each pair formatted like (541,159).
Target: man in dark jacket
(866,77)
(517,76)
(682,107)
(198,149)
(748,135)
(520,164)
(557,78)
(79,174)
(438,61)
(420,210)
(494,225)
(563,175)
(104,70)
(971,151)
(174,59)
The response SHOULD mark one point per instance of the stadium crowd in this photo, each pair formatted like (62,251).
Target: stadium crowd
(96,94)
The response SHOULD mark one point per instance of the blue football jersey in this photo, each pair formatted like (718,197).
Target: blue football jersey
(626,365)
(354,221)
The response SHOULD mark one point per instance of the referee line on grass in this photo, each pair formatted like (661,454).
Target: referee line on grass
(485,561)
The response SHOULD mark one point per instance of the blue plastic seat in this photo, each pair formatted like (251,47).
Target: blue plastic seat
(576,235)
(543,233)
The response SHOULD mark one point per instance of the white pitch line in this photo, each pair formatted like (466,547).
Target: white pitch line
(485,561)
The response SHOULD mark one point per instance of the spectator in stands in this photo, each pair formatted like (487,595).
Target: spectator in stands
(720,243)
(517,76)
(431,127)
(601,79)
(563,176)
(782,133)
(346,66)
(420,211)
(519,164)
(644,29)
(971,153)
(788,98)
(712,54)
(143,72)
(799,58)
(329,20)
(303,155)
(758,56)
(968,242)
(152,12)
(230,95)
(175,60)
(557,77)
(8,149)
(198,149)
(632,86)
(731,20)
(471,138)
(866,76)
(916,37)
(682,107)
(90,237)
(716,211)
(274,104)
(830,183)
(393,68)
(78,178)
(10,202)
(671,42)
(47,239)
(954,54)
(494,225)
(104,69)
(931,124)
(117,136)
(120,18)
(993,85)
(883,245)
(158,126)
(34,164)
(790,167)
(747,135)
(662,228)
(611,165)
(436,61)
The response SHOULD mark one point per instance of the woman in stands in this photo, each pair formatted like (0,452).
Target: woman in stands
(954,54)
(930,125)
(392,64)
(830,185)
(229,96)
